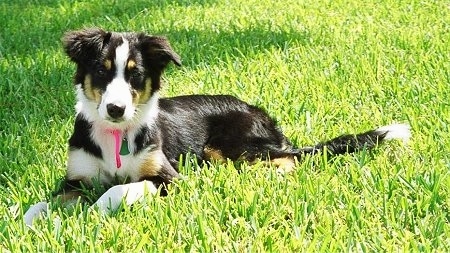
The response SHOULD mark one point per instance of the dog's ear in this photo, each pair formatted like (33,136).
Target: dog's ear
(79,45)
(157,51)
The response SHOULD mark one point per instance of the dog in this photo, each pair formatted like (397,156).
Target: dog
(130,140)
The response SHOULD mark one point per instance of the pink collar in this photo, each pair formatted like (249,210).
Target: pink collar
(120,145)
(117,144)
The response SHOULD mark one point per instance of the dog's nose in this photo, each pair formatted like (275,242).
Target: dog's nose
(115,111)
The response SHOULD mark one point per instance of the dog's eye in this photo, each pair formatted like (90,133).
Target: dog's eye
(135,74)
(101,72)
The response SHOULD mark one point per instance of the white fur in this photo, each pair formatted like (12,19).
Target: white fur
(122,53)
(129,193)
(86,166)
(34,212)
(109,201)
(396,131)
(118,91)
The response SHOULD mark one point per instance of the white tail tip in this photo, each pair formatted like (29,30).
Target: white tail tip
(396,131)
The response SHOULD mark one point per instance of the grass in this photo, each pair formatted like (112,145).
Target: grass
(321,68)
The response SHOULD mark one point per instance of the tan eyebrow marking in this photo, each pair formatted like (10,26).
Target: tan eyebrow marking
(131,64)
(107,64)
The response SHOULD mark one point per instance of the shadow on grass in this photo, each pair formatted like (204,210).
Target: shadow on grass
(138,3)
(29,25)
(33,26)
(209,47)
(30,41)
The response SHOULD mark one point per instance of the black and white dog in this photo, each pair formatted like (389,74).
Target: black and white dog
(127,138)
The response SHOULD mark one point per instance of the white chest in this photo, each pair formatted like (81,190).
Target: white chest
(112,166)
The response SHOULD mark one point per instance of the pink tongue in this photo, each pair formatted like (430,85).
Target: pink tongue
(117,139)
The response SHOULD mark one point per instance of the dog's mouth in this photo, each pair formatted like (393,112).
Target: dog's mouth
(113,120)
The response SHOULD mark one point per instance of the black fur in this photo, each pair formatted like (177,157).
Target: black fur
(157,55)
(221,122)
(238,130)
(81,139)
(349,143)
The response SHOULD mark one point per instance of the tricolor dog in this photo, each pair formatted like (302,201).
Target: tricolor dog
(129,139)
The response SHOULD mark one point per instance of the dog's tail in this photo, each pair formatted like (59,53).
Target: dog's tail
(350,143)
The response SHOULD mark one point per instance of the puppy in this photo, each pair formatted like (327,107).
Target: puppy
(128,139)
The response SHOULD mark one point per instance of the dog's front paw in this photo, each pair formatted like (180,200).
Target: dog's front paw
(34,212)
(127,194)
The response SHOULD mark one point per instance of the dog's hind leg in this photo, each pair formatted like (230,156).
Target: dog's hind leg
(279,155)
(284,164)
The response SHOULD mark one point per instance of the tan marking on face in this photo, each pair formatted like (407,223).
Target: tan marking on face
(131,64)
(97,95)
(107,64)
(212,154)
(90,92)
(152,164)
(135,95)
(87,88)
(143,96)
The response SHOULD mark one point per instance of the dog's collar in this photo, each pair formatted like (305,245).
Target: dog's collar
(120,146)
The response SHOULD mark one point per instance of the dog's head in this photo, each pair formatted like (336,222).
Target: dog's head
(117,73)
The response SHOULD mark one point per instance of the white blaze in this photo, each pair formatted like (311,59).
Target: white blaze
(118,91)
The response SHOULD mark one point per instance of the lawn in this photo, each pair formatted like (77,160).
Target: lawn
(320,68)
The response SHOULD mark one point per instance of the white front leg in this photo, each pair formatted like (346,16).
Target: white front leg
(129,193)
(34,212)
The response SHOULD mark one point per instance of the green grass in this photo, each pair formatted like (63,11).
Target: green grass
(321,68)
